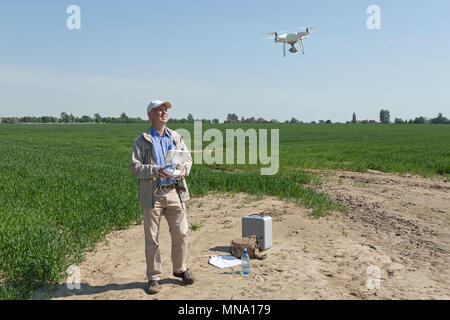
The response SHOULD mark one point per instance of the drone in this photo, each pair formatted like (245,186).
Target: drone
(292,38)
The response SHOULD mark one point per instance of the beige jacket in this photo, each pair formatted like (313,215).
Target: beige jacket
(143,166)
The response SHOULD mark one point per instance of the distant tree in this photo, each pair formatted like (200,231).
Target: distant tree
(293,120)
(419,120)
(98,118)
(354,118)
(440,119)
(261,120)
(123,117)
(71,118)
(231,118)
(384,116)
(10,120)
(328,122)
(321,121)
(274,121)
(399,121)
(215,120)
(86,119)
(190,118)
(64,117)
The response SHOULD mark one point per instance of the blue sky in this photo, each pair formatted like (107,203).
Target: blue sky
(211,58)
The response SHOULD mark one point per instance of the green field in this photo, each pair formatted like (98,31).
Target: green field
(64,187)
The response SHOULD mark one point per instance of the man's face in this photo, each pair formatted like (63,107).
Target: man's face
(159,115)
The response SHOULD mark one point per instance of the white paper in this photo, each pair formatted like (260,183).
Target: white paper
(224,261)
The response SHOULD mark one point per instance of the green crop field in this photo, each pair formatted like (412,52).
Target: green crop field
(64,187)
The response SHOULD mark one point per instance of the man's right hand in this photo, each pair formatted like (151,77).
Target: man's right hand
(163,173)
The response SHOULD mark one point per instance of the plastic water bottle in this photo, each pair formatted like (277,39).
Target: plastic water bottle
(245,259)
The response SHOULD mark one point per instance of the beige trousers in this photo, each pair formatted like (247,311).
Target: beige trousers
(174,211)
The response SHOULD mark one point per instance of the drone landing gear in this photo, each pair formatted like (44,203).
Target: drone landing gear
(301,46)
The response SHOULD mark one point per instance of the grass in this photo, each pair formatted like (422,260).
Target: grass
(57,199)
(278,217)
(194,226)
(200,204)
(414,149)
(63,187)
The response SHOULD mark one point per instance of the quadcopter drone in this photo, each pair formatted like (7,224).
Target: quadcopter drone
(292,38)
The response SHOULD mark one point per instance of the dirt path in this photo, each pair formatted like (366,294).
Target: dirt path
(399,226)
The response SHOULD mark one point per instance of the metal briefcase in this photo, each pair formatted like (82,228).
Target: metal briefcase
(259,225)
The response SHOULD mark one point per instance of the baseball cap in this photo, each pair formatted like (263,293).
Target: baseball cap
(157,103)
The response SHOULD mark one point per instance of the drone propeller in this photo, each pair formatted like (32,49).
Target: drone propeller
(276,32)
(307,28)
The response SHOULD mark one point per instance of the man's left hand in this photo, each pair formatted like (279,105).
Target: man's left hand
(181,176)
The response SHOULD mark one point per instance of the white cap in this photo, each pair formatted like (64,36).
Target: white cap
(157,103)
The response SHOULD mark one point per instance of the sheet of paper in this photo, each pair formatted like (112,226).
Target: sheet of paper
(224,261)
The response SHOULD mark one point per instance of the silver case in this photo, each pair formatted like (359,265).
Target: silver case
(258,225)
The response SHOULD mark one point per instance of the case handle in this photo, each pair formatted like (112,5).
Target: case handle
(257,214)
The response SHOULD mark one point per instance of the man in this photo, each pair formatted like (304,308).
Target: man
(161,195)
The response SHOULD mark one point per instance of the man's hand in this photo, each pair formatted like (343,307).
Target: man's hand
(181,176)
(163,173)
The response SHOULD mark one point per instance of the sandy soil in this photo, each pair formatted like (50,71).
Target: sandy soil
(397,225)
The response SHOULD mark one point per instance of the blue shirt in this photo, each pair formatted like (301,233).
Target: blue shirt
(161,144)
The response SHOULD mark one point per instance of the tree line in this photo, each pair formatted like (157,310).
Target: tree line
(385,118)
(231,118)
(440,119)
(70,118)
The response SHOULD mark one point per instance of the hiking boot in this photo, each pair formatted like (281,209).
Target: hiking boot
(153,287)
(186,276)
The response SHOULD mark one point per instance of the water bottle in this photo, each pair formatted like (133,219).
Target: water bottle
(245,259)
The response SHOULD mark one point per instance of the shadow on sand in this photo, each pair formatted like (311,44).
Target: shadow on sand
(62,291)
(221,249)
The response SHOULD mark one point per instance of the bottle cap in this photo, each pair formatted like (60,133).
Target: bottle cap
(245,250)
